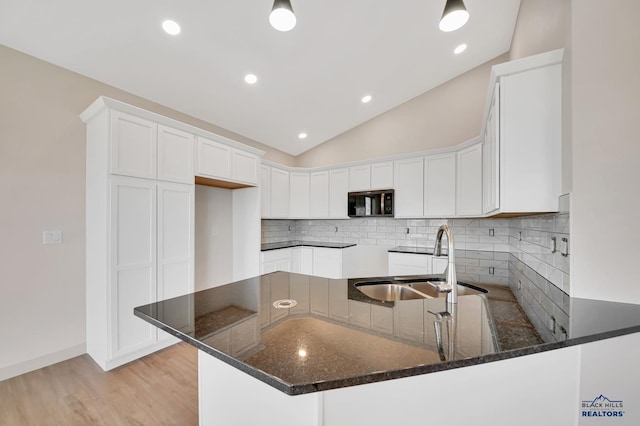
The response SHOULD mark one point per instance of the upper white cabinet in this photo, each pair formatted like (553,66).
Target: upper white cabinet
(409,187)
(360,178)
(371,176)
(440,185)
(219,161)
(319,194)
(469,182)
(134,146)
(523,136)
(298,195)
(382,175)
(279,197)
(338,193)
(265,191)
(175,155)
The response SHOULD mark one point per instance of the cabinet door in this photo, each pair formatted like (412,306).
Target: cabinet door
(338,193)
(440,185)
(175,155)
(469,193)
(299,195)
(265,191)
(382,175)
(279,194)
(176,244)
(214,159)
(134,146)
(319,195)
(245,167)
(409,187)
(302,260)
(327,262)
(133,269)
(276,260)
(360,178)
(491,157)
(409,264)
(439,264)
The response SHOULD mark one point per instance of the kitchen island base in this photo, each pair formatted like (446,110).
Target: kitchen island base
(528,390)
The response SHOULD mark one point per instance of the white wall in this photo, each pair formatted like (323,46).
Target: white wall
(214,237)
(606,124)
(42,185)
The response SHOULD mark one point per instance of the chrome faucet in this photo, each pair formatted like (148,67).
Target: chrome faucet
(450,272)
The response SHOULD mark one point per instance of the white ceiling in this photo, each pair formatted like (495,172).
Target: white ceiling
(311,79)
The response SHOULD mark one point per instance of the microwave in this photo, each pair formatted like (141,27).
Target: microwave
(371,203)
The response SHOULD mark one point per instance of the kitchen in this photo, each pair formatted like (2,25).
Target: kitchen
(46,175)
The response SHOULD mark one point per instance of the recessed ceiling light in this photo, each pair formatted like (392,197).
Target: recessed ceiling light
(250,78)
(171,27)
(366,98)
(458,50)
(302,135)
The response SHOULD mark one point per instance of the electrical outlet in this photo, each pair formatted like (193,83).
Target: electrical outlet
(52,237)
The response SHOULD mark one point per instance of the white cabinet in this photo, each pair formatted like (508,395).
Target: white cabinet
(491,157)
(302,260)
(523,136)
(439,264)
(371,176)
(382,175)
(276,260)
(265,191)
(360,178)
(409,264)
(133,146)
(139,227)
(142,148)
(440,185)
(327,262)
(409,187)
(319,195)
(175,155)
(469,182)
(150,257)
(298,195)
(279,199)
(338,193)
(219,161)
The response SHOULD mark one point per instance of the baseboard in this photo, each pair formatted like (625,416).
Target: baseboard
(42,361)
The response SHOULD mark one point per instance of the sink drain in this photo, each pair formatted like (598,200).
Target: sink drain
(284,304)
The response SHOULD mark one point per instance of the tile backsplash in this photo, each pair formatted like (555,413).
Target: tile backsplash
(528,238)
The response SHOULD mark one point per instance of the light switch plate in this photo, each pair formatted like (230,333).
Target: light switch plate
(52,237)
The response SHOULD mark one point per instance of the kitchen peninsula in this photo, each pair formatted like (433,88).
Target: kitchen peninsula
(266,338)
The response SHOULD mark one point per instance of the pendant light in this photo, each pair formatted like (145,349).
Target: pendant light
(281,16)
(455,15)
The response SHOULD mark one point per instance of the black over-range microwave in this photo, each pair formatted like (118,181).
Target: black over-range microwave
(371,203)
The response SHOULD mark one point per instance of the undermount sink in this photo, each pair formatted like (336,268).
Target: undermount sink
(412,288)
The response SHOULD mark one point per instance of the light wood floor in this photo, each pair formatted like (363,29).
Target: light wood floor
(160,389)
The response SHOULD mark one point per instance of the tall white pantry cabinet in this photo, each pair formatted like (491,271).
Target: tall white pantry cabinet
(140,229)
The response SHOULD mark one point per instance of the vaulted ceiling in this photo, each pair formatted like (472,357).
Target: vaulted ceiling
(310,79)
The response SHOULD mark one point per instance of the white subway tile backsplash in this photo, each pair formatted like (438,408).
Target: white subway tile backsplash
(527,238)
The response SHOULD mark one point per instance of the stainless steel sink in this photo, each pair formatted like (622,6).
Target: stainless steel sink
(409,288)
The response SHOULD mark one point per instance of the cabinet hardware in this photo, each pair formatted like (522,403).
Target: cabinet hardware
(554,244)
(565,251)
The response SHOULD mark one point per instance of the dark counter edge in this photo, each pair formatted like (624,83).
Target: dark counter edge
(388,375)
(296,243)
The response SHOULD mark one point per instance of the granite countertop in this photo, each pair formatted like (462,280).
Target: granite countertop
(298,243)
(334,336)
(415,250)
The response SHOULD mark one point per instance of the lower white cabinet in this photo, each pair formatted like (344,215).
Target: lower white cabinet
(317,261)
(143,255)
(409,264)
(275,260)
(416,264)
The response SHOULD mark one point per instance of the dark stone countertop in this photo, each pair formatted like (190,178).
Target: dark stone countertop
(298,243)
(336,337)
